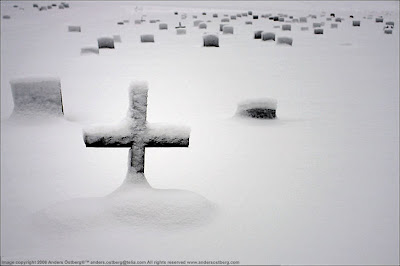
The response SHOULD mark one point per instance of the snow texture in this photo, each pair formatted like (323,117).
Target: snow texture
(147,38)
(35,97)
(211,40)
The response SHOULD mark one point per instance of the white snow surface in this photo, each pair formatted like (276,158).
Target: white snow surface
(318,185)
(264,103)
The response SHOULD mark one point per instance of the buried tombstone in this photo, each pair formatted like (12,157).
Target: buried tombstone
(227,30)
(257,34)
(268,36)
(319,31)
(74,28)
(147,38)
(259,108)
(210,40)
(117,38)
(285,40)
(163,26)
(37,97)
(137,134)
(89,50)
(105,43)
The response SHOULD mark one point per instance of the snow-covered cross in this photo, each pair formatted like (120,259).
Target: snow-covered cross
(136,133)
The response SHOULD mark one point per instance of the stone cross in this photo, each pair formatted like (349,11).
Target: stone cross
(137,134)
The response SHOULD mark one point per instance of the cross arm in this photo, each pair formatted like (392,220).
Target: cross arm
(117,136)
(160,135)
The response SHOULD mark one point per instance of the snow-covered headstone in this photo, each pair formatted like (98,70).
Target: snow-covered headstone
(210,40)
(334,26)
(117,38)
(319,31)
(227,29)
(37,96)
(105,43)
(89,50)
(268,36)
(259,108)
(74,28)
(163,26)
(6,17)
(287,27)
(225,20)
(197,22)
(285,40)
(137,134)
(304,28)
(248,22)
(147,38)
(379,20)
(180,31)
(257,34)
(356,23)
(202,25)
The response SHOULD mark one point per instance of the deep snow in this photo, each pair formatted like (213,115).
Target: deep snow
(318,185)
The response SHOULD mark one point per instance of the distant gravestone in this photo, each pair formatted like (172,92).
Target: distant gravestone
(120,23)
(285,40)
(287,27)
(37,96)
(227,29)
(163,26)
(281,19)
(317,25)
(379,20)
(255,17)
(210,40)
(221,27)
(233,17)
(338,20)
(137,134)
(74,29)
(36,5)
(42,8)
(197,22)
(391,23)
(117,38)
(257,34)
(333,15)
(248,22)
(138,21)
(215,15)
(202,25)
(356,23)
(304,28)
(6,17)
(153,21)
(147,38)
(250,13)
(334,26)
(180,26)
(260,108)
(268,36)
(225,20)
(319,31)
(276,18)
(388,31)
(60,7)
(105,43)
(180,31)
(89,50)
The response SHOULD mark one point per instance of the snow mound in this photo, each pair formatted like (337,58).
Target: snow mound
(37,97)
(128,206)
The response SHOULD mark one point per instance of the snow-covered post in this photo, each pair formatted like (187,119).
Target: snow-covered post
(134,132)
